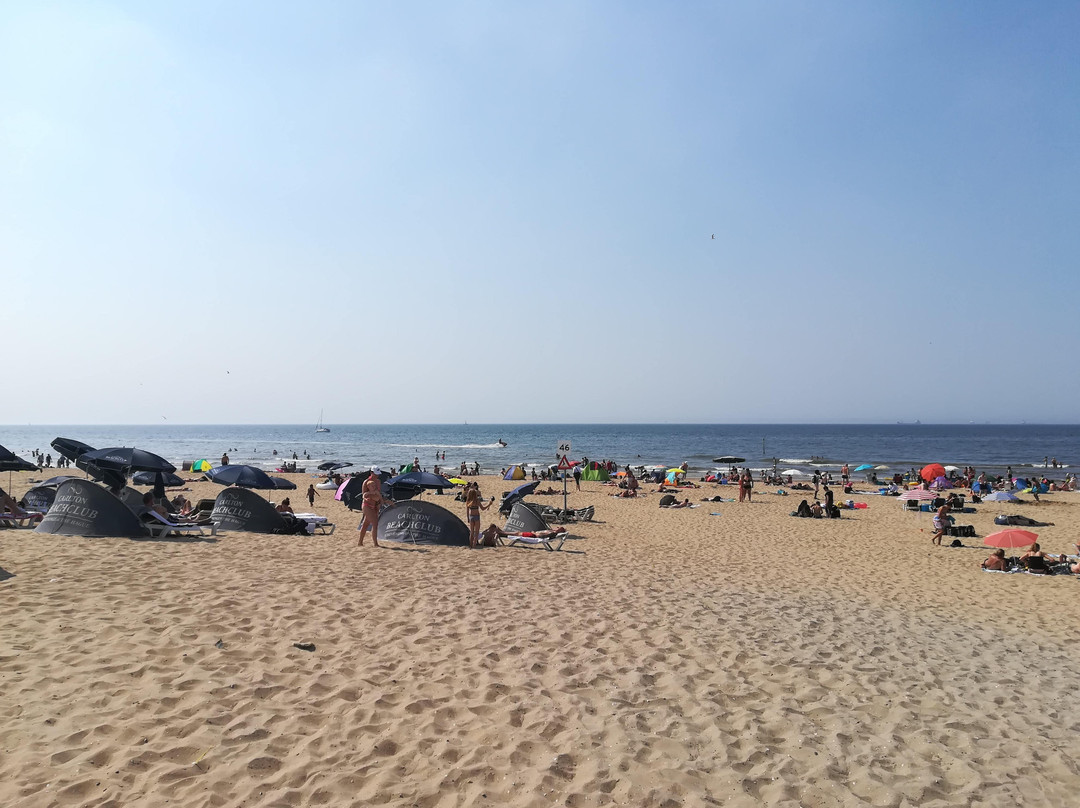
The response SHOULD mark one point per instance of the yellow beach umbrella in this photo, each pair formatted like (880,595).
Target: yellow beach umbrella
(201,465)
(457,481)
(675,471)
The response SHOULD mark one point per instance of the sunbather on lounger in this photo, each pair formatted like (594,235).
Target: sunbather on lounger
(10,506)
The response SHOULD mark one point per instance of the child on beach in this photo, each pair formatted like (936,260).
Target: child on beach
(311,494)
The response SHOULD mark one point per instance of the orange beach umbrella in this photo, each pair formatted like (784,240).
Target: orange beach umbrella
(1011,538)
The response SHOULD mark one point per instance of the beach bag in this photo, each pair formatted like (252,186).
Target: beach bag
(956,543)
(667,499)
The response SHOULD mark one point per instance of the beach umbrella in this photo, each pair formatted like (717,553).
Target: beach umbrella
(1011,538)
(332,465)
(1001,496)
(201,465)
(917,494)
(113,479)
(793,473)
(457,481)
(676,471)
(864,467)
(522,490)
(729,459)
(70,448)
(241,476)
(951,469)
(881,468)
(932,472)
(168,479)
(54,482)
(9,461)
(282,483)
(420,479)
(127,459)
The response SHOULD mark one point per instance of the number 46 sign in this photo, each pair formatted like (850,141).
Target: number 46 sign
(564,448)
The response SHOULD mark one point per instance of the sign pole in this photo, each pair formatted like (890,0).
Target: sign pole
(564,467)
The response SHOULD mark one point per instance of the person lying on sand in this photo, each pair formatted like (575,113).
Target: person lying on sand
(684,504)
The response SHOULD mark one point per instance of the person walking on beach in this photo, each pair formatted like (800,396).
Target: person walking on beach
(473,506)
(371,491)
(817,483)
(941,524)
(577,477)
(311,494)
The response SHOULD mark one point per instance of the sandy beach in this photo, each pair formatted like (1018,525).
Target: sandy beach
(722,655)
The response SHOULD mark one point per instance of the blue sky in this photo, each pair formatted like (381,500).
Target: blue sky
(502,212)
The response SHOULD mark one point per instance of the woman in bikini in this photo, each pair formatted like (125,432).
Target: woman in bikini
(473,506)
(371,492)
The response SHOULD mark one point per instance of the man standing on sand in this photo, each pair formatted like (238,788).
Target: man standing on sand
(371,492)
(844,473)
(817,483)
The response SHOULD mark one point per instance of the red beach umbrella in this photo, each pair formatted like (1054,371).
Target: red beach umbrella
(1011,538)
(932,472)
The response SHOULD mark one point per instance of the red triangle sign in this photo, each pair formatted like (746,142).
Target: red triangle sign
(564,464)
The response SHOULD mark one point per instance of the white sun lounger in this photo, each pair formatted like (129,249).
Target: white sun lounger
(316,523)
(160,526)
(548,543)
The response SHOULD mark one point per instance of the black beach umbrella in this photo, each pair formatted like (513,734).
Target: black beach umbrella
(282,483)
(54,482)
(168,479)
(332,465)
(127,459)
(727,459)
(113,479)
(70,448)
(9,461)
(242,476)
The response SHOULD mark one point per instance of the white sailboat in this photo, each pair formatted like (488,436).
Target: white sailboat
(319,427)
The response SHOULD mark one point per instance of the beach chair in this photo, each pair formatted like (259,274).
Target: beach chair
(23,519)
(316,523)
(160,527)
(551,543)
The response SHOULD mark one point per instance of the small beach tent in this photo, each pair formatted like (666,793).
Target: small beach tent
(82,508)
(39,499)
(594,472)
(524,518)
(242,509)
(514,473)
(422,522)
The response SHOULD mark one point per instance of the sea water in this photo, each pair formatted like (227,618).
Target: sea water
(787,446)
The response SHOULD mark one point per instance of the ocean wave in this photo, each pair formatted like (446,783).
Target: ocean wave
(794,461)
(445,445)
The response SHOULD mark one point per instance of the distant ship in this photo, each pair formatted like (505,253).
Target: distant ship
(319,427)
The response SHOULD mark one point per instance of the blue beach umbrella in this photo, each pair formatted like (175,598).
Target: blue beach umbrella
(864,467)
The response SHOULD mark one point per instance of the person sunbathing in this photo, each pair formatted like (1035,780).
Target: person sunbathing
(1035,560)
(626,494)
(10,506)
(684,504)
(996,561)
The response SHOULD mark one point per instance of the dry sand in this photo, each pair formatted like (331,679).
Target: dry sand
(668,658)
